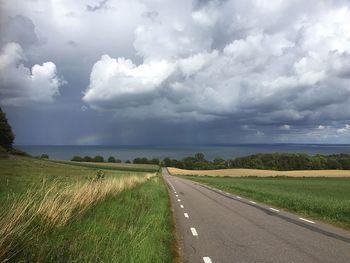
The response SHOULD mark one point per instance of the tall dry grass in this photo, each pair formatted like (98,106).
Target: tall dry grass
(53,206)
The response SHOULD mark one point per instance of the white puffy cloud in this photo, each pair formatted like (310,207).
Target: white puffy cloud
(263,74)
(124,83)
(20,85)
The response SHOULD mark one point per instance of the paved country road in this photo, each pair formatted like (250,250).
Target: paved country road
(215,226)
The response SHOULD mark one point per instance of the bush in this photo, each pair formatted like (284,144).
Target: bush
(44,156)
(127,161)
(15,151)
(87,159)
(98,159)
(111,159)
(77,159)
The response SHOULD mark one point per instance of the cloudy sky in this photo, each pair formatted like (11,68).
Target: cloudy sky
(176,72)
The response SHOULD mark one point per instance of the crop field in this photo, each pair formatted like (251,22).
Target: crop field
(261,173)
(326,199)
(115,166)
(54,212)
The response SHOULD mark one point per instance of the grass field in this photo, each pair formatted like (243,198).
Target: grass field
(261,173)
(326,199)
(115,166)
(53,212)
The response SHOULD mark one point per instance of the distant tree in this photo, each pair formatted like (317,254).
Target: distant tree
(189,162)
(166,162)
(199,157)
(98,159)
(155,161)
(44,156)
(77,159)
(137,161)
(127,161)
(111,159)
(87,159)
(219,163)
(118,161)
(6,135)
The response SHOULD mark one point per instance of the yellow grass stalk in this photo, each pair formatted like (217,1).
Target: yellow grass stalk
(54,206)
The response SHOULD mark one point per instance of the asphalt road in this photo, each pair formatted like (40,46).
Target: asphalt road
(215,226)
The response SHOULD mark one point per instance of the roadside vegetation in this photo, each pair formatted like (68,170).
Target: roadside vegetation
(57,212)
(326,199)
(114,166)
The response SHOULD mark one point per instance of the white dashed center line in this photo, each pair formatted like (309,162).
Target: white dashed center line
(273,209)
(177,195)
(207,260)
(252,202)
(306,220)
(179,200)
(194,231)
(186,215)
(181,206)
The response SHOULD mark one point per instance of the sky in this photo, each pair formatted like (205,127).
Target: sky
(131,72)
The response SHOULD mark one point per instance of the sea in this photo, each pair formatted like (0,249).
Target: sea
(124,153)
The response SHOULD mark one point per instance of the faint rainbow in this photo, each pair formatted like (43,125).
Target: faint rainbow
(91,139)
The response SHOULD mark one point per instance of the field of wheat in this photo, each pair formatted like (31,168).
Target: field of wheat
(261,173)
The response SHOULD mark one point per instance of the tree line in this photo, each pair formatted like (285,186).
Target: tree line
(268,161)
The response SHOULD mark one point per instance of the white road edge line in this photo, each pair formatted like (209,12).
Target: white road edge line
(172,187)
(181,206)
(273,209)
(252,202)
(207,260)
(179,200)
(239,197)
(306,220)
(186,215)
(194,231)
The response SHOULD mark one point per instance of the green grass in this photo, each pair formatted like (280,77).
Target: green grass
(326,199)
(115,166)
(134,225)
(19,174)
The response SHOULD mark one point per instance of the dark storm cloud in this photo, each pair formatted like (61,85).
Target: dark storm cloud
(19,29)
(200,71)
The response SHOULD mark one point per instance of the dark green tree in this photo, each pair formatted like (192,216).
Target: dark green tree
(199,157)
(6,135)
(111,159)
(44,156)
(166,162)
(98,159)
(87,159)
(77,159)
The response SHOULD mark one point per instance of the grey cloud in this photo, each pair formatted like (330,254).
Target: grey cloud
(100,5)
(207,68)
(19,29)
(150,14)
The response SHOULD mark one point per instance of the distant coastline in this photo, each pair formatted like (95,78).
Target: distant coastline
(66,152)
